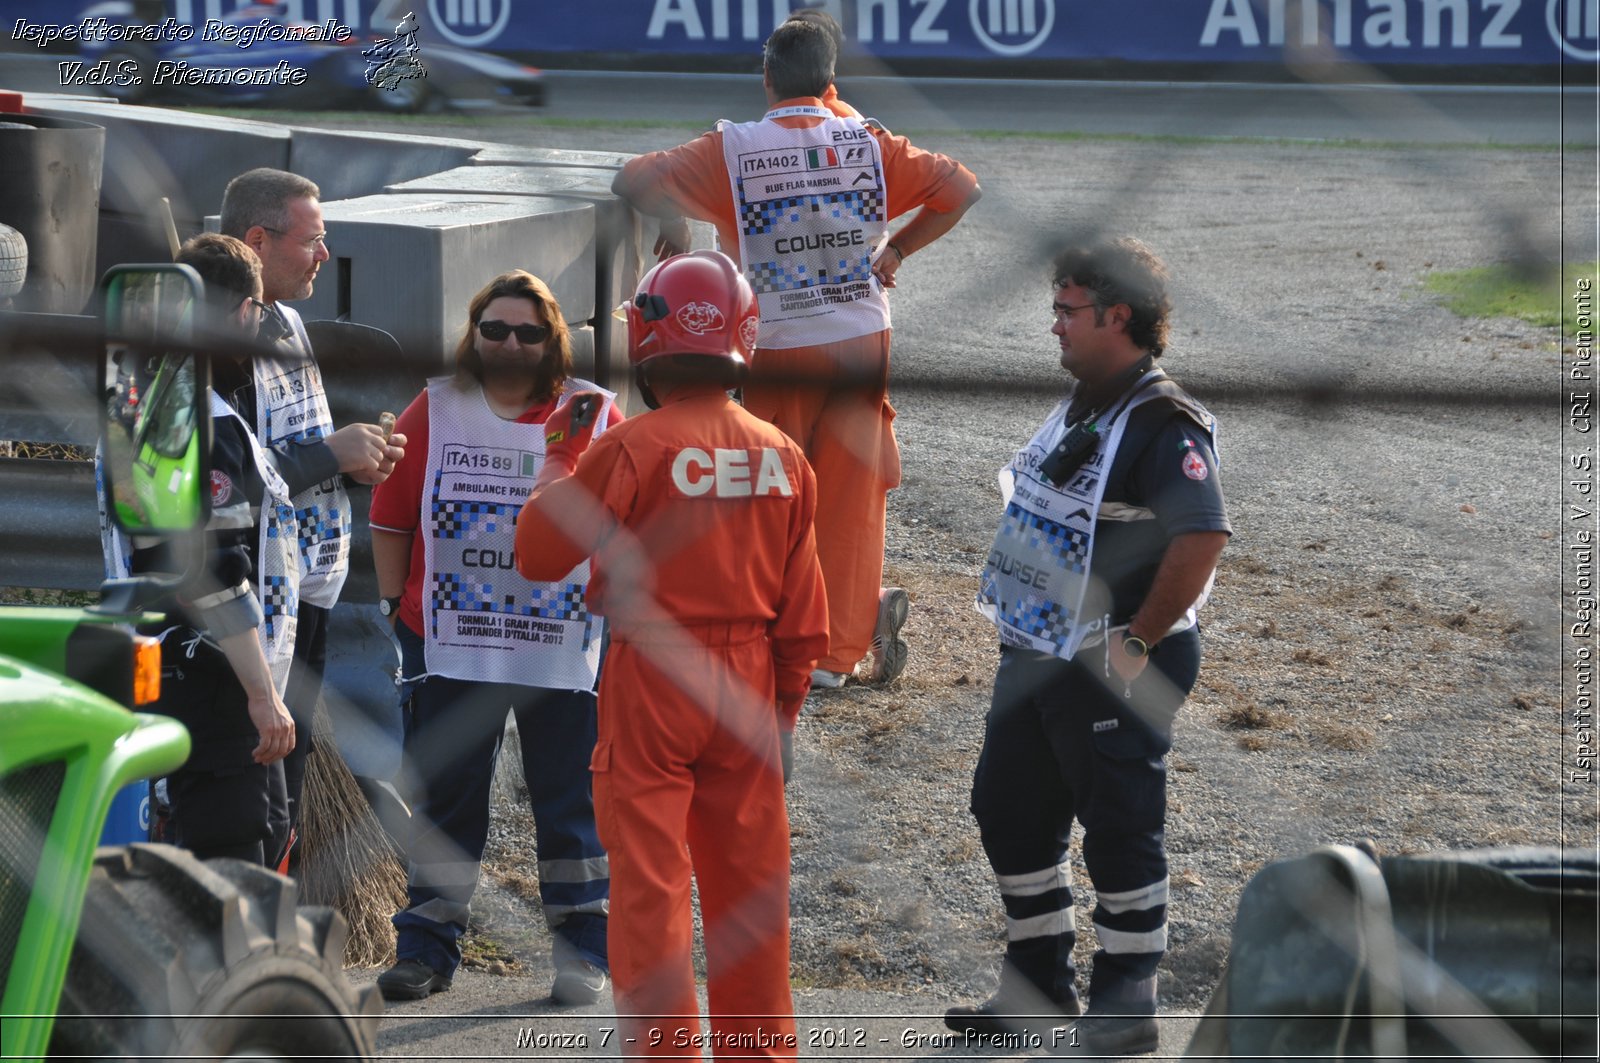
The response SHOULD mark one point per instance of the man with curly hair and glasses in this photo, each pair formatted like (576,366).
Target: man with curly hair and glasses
(1113,524)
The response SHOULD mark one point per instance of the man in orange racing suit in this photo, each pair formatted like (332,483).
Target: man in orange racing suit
(699,519)
(803,199)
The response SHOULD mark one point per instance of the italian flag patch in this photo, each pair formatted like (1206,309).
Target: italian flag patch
(821,158)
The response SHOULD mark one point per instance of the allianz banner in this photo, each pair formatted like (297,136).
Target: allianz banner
(1448,32)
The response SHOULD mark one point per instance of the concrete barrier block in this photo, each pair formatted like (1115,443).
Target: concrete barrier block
(409,264)
(587,182)
(618,259)
(512,155)
(188,158)
(345,163)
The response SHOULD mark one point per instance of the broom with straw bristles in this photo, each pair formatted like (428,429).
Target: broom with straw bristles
(347,860)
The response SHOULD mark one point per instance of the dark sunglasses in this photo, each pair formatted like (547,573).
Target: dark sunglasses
(527,335)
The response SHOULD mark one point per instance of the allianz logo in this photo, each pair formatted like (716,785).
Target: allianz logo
(469,23)
(1575,26)
(1012,27)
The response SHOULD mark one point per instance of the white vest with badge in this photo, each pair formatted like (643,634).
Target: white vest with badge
(1037,575)
(277,576)
(481,619)
(812,212)
(291,406)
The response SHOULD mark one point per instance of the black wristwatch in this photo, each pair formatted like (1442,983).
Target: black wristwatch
(1134,646)
(389,606)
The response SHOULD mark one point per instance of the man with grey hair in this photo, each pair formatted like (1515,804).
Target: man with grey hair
(278,216)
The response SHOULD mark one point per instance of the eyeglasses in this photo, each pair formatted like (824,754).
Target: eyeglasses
(527,335)
(261,308)
(310,243)
(1062,311)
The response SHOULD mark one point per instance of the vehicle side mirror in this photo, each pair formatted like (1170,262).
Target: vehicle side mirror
(155,413)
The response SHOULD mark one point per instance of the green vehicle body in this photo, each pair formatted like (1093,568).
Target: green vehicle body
(167,464)
(49,722)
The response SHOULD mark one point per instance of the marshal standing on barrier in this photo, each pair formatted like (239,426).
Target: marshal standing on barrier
(1113,525)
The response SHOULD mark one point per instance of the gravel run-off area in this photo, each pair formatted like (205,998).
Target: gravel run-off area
(1382,652)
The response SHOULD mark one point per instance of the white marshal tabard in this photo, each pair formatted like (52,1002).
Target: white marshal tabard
(813,214)
(481,619)
(1037,574)
(278,573)
(291,407)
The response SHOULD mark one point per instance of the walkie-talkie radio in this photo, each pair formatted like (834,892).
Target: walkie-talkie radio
(1073,450)
(1081,439)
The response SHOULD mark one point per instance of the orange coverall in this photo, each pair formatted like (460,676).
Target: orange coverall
(699,519)
(844,421)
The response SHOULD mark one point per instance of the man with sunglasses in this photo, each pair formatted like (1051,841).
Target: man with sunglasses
(1113,524)
(278,215)
(803,200)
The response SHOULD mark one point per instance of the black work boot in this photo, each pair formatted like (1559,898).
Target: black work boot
(1121,1020)
(1115,1035)
(411,980)
(1016,1006)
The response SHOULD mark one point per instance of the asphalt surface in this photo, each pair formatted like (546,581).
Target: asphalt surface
(1421,114)
(485,1017)
(1307,110)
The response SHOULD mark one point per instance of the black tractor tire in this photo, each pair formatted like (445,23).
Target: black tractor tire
(176,958)
(13,261)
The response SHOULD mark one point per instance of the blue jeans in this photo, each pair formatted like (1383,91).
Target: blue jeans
(453,729)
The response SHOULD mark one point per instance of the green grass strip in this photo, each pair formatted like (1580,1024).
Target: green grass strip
(1536,294)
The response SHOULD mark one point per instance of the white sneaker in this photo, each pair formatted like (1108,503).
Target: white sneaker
(888,649)
(822,679)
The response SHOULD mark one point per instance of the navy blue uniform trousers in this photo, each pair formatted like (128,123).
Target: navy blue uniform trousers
(453,730)
(1062,740)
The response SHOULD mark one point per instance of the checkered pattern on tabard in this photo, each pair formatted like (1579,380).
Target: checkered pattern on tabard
(759,218)
(1048,544)
(859,205)
(456,520)
(782,277)
(561,602)
(1047,539)
(317,525)
(285,519)
(278,603)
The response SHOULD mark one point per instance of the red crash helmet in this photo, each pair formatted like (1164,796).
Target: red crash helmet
(697,303)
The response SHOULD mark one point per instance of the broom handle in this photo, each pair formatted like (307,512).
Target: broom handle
(172,229)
